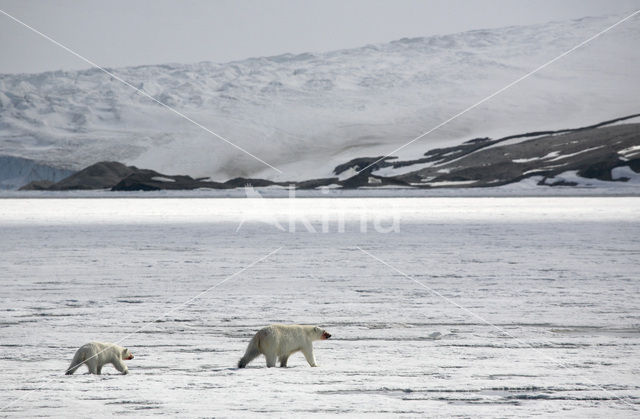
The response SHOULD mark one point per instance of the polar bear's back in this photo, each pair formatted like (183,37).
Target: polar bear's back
(288,327)
(95,346)
(285,330)
(282,339)
(91,347)
(101,350)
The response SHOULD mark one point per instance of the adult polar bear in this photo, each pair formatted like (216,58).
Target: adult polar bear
(96,354)
(280,341)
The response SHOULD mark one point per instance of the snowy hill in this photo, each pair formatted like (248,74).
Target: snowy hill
(308,113)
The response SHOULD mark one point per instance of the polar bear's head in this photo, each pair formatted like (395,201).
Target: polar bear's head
(320,334)
(126,354)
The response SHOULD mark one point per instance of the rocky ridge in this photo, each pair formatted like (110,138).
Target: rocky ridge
(592,152)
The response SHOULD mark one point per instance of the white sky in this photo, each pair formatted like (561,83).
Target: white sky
(116,33)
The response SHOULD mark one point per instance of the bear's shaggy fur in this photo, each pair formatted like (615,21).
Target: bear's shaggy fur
(96,354)
(279,341)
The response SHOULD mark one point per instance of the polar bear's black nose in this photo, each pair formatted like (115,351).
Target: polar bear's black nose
(326,335)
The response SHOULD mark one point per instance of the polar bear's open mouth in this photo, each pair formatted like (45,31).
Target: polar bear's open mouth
(326,335)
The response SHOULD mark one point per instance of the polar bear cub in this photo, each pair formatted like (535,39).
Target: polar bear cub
(96,354)
(280,341)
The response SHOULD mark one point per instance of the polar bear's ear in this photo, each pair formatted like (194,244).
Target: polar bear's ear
(316,329)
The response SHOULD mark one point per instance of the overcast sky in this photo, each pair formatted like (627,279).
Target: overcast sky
(117,33)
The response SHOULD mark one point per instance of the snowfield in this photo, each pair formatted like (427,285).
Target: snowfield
(556,280)
(307,113)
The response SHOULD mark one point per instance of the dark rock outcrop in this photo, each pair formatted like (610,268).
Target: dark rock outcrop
(366,164)
(317,183)
(305,184)
(102,175)
(37,185)
(364,179)
(590,152)
(118,177)
(150,180)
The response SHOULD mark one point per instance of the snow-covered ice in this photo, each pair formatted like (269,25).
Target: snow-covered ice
(557,276)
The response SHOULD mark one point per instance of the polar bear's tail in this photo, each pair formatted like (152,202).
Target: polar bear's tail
(78,359)
(251,353)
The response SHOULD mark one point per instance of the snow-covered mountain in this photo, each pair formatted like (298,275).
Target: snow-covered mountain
(307,113)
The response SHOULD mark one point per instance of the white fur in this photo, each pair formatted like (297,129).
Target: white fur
(96,354)
(279,341)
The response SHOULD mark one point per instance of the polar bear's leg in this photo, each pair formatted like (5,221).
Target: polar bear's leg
(92,364)
(75,363)
(74,366)
(120,366)
(271,360)
(250,354)
(248,357)
(307,350)
(283,360)
(98,369)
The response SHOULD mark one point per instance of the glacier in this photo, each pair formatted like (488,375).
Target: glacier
(307,113)
(16,172)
